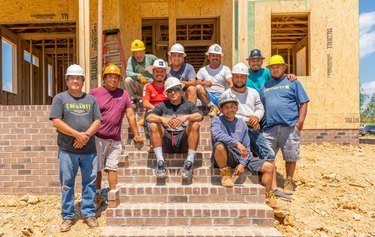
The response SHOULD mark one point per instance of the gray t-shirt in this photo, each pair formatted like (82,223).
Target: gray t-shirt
(185,73)
(79,113)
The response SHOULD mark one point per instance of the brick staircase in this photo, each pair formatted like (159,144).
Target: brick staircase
(143,205)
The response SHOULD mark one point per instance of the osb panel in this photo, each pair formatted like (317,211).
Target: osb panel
(37,10)
(334,96)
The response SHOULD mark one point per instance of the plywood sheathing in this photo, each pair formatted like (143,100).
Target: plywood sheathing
(334,98)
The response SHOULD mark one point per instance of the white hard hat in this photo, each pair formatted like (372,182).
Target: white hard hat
(171,82)
(226,97)
(177,48)
(159,63)
(240,68)
(215,49)
(74,70)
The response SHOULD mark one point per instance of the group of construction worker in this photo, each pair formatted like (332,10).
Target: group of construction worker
(254,112)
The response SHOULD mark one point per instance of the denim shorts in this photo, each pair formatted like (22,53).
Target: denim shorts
(108,152)
(214,97)
(285,138)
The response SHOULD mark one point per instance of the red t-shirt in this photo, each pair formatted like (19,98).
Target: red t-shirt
(112,105)
(153,93)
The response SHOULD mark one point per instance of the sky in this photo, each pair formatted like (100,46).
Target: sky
(367,45)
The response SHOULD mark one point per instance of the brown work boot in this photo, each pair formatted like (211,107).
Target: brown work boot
(98,200)
(289,186)
(91,221)
(226,177)
(272,202)
(66,225)
(214,110)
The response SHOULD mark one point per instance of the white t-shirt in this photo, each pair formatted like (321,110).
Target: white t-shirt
(249,104)
(217,76)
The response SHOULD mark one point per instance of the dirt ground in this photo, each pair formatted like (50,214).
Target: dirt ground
(335,197)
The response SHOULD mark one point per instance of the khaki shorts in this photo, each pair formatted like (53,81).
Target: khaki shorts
(285,138)
(108,152)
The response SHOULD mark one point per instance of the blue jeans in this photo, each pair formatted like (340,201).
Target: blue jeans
(259,145)
(68,164)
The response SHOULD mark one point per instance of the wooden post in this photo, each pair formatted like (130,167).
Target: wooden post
(172,22)
(44,73)
(86,66)
(31,73)
(100,39)
(242,31)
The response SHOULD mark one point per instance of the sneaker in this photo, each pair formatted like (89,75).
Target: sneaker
(282,195)
(289,186)
(66,225)
(272,202)
(187,172)
(98,200)
(91,221)
(160,170)
(214,110)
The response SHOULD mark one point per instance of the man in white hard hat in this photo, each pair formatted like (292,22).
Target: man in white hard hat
(183,71)
(231,148)
(136,70)
(251,111)
(174,128)
(76,116)
(114,103)
(213,79)
(153,93)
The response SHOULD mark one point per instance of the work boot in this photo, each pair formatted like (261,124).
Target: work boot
(282,195)
(214,110)
(141,120)
(187,172)
(66,225)
(98,200)
(91,221)
(160,169)
(289,186)
(226,177)
(272,202)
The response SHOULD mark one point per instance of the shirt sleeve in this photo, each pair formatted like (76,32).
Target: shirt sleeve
(301,94)
(96,111)
(146,92)
(259,109)
(200,74)
(194,109)
(191,72)
(130,70)
(228,73)
(56,108)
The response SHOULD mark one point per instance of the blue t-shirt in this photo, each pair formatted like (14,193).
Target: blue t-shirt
(257,79)
(281,100)
(185,73)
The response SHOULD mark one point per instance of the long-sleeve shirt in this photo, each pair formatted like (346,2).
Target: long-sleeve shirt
(229,133)
(135,69)
(249,103)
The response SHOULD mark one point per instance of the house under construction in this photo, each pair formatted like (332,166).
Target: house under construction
(41,38)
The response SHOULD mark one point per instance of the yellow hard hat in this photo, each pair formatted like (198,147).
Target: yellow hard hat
(112,68)
(137,45)
(275,60)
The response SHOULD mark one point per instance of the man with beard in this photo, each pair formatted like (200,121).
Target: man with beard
(251,111)
(114,103)
(285,102)
(136,74)
(213,80)
(183,71)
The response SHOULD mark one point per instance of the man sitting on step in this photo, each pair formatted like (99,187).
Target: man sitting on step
(231,147)
(174,128)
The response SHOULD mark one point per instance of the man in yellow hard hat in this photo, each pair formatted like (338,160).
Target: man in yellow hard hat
(114,103)
(285,104)
(136,70)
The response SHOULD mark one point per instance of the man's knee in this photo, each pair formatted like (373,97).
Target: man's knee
(191,90)
(199,89)
(154,127)
(220,148)
(267,167)
(193,126)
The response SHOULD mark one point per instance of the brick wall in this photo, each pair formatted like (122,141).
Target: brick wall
(28,151)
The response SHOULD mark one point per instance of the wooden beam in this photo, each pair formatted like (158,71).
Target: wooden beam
(44,74)
(87,44)
(31,73)
(45,36)
(172,21)
(100,43)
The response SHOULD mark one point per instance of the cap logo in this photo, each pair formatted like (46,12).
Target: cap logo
(161,63)
(217,48)
(136,44)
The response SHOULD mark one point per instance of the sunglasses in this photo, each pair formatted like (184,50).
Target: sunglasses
(174,89)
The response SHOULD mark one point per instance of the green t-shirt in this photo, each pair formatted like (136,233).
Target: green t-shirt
(257,79)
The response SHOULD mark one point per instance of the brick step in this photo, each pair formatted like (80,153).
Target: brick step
(190,214)
(171,160)
(194,193)
(128,143)
(200,175)
(206,122)
(183,231)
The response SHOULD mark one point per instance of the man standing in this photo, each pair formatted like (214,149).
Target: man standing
(136,73)
(213,79)
(183,71)
(285,103)
(113,103)
(251,111)
(174,128)
(76,117)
